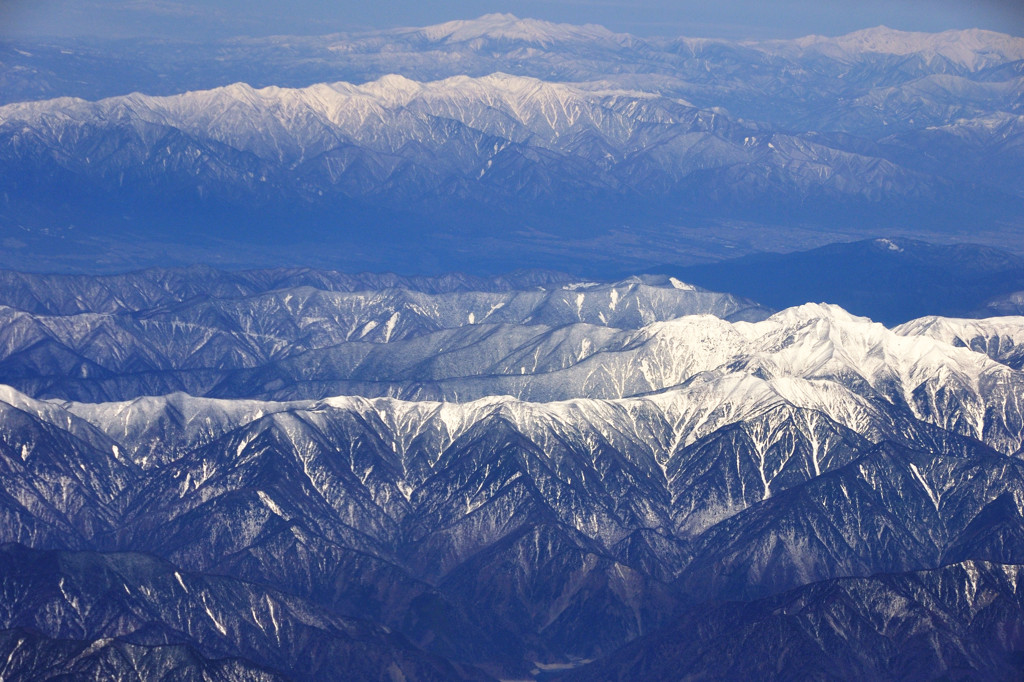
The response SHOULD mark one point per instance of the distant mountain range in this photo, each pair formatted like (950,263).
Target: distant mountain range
(526,477)
(523,138)
(881,57)
(888,280)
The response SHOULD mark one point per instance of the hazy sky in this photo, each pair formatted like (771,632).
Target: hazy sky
(725,18)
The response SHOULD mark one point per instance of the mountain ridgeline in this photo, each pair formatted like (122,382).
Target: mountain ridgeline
(297,474)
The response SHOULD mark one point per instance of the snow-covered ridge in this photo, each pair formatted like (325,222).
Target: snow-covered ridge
(972,48)
(952,329)
(384,113)
(512,139)
(511,28)
(699,372)
(1000,338)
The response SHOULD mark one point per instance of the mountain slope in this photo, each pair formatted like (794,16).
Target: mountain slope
(962,619)
(608,460)
(591,512)
(122,600)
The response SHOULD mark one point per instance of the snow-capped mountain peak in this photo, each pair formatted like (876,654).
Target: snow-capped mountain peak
(508,27)
(970,48)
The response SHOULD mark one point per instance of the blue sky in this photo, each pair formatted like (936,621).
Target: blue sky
(724,18)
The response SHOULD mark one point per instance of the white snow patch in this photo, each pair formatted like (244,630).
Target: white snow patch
(216,623)
(890,245)
(389,326)
(682,286)
(928,489)
(270,503)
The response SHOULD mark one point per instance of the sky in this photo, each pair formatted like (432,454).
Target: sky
(203,19)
